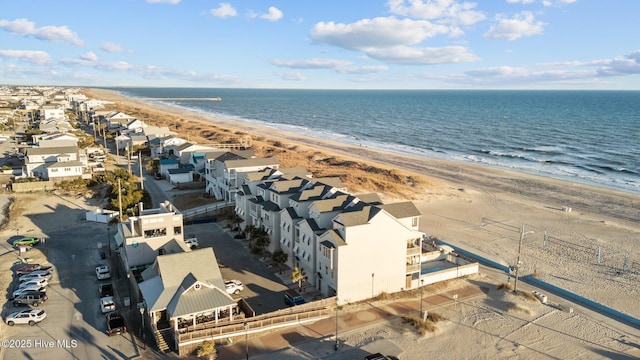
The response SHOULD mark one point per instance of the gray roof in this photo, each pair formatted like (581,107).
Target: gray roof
(358,217)
(63,164)
(193,297)
(251,162)
(370,198)
(333,204)
(401,210)
(51,150)
(175,274)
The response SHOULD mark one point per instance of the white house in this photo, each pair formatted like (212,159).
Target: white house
(154,232)
(55,140)
(223,172)
(367,251)
(37,161)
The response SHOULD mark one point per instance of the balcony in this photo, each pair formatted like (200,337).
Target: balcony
(411,268)
(413,250)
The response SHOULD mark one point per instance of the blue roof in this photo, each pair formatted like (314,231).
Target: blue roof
(168,161)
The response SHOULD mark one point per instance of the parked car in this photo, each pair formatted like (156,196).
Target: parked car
(35,282)
(233,286)
(26,241)
(27,268)
(35,275)
(115,323)
(32,298)
(105,290)
(292,298)
(28,289)
(192,242)
(29,316)
(102,272)
(107,304)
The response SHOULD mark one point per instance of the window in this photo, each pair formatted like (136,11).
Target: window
(155,233)
(177,230)
(414,222)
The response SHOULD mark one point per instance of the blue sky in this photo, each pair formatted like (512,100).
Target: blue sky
(330,44)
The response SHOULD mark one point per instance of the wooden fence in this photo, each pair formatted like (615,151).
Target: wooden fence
(309,312)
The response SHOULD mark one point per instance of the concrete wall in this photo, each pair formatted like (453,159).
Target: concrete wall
(448,274)
(32,186)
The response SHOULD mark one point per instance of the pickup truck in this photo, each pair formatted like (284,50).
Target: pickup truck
(115,324)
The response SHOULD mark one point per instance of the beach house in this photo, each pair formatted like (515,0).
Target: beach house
(53,163)
(183,291)
(222,172)
(152,233)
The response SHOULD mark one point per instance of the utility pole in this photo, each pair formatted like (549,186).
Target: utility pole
(120,200)
(522,234)
(140,164)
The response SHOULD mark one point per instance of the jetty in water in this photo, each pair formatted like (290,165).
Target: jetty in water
(186,99)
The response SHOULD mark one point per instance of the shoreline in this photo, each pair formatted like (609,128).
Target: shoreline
(423,153)
(456,172)
(456,199)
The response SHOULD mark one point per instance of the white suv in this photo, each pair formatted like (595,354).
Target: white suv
(233,286)
(192,242)
(102,272)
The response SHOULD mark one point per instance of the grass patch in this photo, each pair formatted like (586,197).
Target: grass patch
(515,307)
(508,286)
(424,326)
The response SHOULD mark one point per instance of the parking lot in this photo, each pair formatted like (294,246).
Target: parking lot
(75,326)
(263,289)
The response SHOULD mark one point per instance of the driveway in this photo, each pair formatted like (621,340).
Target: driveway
(263,290)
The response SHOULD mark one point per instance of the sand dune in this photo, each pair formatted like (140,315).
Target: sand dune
(455,198)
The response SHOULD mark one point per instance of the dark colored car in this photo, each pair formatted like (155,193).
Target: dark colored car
(31,298)
(292,298)
(27,268)
(105,290)
(115,323)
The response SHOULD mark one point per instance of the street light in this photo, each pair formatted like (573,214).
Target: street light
(421,285)
(522,234)
(372,276)
(246,339)
(337,342)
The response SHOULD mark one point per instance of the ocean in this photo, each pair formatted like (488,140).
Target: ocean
(591,137)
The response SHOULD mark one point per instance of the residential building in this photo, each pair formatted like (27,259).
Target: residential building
(153,232)
(43,162)
(223,172)
(184,290)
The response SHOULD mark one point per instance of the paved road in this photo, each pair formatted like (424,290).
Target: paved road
(264,291)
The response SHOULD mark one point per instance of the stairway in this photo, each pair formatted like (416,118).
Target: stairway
(165,340)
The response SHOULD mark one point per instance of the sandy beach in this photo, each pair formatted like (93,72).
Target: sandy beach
(478,208)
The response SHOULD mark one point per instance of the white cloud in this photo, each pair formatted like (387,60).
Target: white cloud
(557,2)
(522,24)
(172,2)
(111,47)
(520,1)
(30,56)
(408,55)
(90,56)
(25,27)
(274,14)
(567,72)
(362,69)
(375,33)
(291,76)
(390,40)
(446,11)
(223,10)
(317,63)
